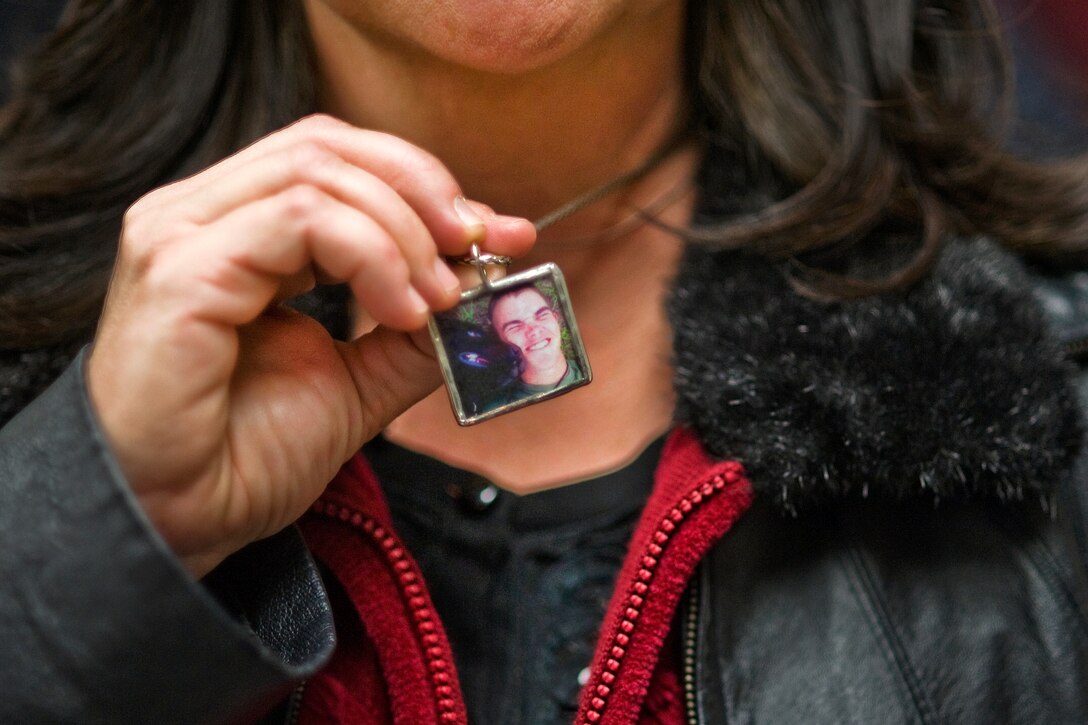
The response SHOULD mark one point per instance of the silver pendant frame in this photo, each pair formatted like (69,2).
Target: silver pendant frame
(450,328)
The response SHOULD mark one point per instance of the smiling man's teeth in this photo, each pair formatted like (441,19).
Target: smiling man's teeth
(538,345)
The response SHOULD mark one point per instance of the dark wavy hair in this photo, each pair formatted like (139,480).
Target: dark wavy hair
(842,117)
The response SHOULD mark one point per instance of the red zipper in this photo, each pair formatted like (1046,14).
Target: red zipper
(423,616)
(603,683)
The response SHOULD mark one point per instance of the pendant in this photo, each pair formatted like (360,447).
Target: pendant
(509,343)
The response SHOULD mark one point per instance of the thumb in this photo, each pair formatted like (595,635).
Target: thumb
(392,371)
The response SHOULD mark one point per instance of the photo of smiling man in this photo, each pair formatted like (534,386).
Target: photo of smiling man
(527,320)
(510,343)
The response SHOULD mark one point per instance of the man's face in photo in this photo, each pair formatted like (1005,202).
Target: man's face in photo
(527,321)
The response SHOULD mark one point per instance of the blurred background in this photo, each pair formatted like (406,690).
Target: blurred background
(1050,47)
(22,23)
(1049,38)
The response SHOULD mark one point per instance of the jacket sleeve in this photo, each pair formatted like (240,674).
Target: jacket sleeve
(98,620)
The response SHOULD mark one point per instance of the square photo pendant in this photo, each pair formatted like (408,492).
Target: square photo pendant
(508,344)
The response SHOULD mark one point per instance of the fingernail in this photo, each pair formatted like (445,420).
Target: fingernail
(513,221)
(445,276)
(419,305)
(466,213)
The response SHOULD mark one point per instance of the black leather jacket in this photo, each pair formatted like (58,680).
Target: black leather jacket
(912,556)
(884,586)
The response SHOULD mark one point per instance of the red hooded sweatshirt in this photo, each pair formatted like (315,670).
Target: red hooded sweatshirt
(393,663)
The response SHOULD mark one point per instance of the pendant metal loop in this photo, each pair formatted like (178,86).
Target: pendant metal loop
(481,260)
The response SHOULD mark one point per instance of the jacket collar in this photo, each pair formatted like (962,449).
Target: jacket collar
(953,389)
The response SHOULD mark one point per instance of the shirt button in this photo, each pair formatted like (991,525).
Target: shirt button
(475,495)
(583,677)
(487,495)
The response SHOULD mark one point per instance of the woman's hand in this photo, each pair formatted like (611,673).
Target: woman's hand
(228,413)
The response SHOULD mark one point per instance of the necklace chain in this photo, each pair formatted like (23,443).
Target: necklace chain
(640,216)
(618,182)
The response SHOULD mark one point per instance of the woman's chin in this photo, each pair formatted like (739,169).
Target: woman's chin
(519,36)
(492,36)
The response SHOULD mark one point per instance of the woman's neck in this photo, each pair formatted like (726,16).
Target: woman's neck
(527,142)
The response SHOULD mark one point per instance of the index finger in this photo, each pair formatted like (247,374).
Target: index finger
(415,175)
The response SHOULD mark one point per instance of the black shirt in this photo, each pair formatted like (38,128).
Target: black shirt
(521,583)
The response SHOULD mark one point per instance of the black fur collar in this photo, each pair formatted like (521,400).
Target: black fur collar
(951,390)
